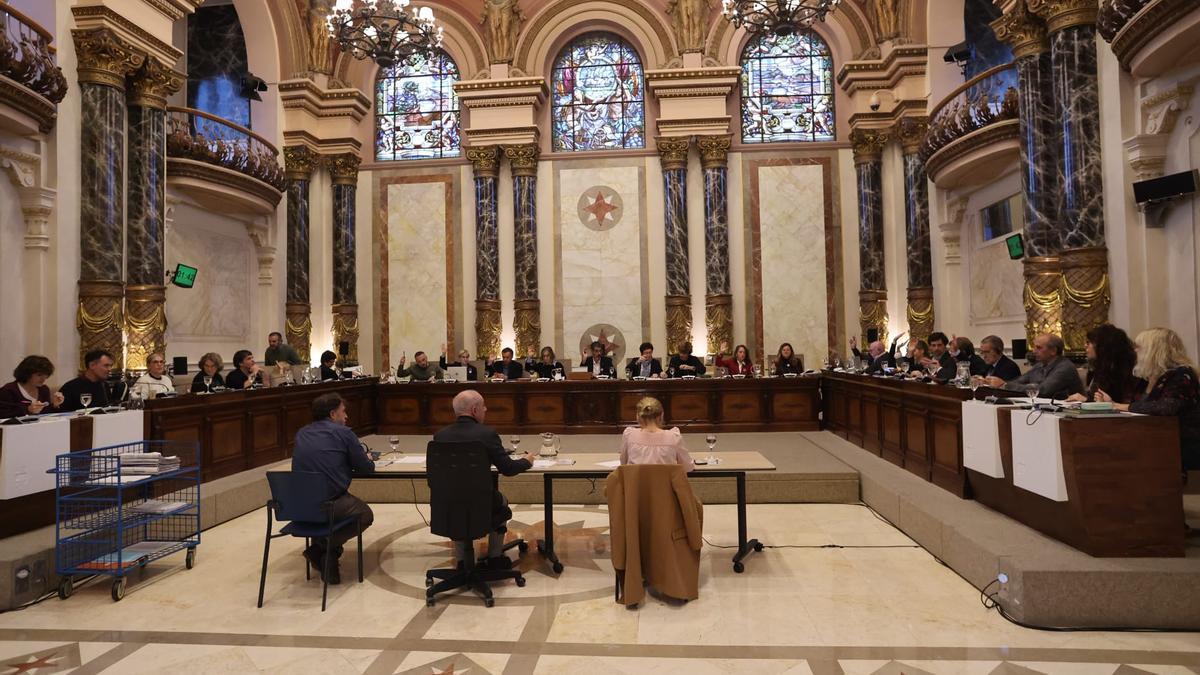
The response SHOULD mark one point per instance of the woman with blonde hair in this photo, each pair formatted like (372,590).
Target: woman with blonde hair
(650,443)
(1171,388)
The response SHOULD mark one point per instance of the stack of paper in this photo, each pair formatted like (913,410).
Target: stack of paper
(157,507)
(147,463)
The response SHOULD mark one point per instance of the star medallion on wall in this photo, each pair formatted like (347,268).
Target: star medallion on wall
(600,208)
(609,337)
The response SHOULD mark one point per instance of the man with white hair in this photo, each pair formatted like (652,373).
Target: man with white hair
(876,358)
(470,409)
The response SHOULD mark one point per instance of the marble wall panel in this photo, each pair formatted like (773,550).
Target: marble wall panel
(716,230)
(791,217)
(487,239)
(997,283)
(525,237)
(916,212)
(418,236)
(219,306)
(1041,172)
(601,267)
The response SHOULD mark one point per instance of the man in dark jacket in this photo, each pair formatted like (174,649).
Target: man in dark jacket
(597,363)
(991,349)
(329,447)
(469,407)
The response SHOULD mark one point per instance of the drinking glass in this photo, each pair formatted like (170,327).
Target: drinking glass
(394,442)
(208,383)
(711,441)
(515,440)
(904,365)
(86,400)
(1031,390)
(757,371)
(976,382)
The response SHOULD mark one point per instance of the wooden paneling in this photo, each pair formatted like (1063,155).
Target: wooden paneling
(545,409)
(400,411)
(687,408)
(792,407)
(741,406)
(871,421)
(892,430)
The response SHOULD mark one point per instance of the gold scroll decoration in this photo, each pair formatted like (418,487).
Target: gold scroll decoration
(485,160)
(487,328)
(527,324)
(153,83)
(1043,297)
(1085,295)
(673,152)
(345,329)
(718,318)
(679,321)
(299,162)
(872,307)
(1022,30)
(145,323)
(920,312)
(297,329)
(100,319)
(104,57)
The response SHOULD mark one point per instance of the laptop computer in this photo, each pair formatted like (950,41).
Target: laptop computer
(457,373)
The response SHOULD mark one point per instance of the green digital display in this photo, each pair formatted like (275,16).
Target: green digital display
(185,276)
(1016,247)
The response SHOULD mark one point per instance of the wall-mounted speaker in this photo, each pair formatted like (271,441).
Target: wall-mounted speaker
(179,365)
(872,335)
(1020,349)
(343,348)
(1166,187)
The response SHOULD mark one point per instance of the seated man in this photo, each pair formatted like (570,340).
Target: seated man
(329,447)
(1054,374)
(598,363)
(464,360)
(940,364)
(506,368)
(683,363)
(279,352)
(469,407)
(421,370)
(876,358)
(154,381)
(991,350)
(97,365)
(918,354)
(645,365)
(246,373)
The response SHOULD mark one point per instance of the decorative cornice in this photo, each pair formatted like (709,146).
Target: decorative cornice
(504,102)
(867,144)
(714,150)
(885,73)
(910,131)
(304,94)
(343,168)
(22,167)
(485,160)
(1060,14)
(522,159)
(22,98)
(151,84)
(1161,110)
(91,17)
(181,167)
(1146,25)
(299,161)
(105,58)
(673,151)
(1022,30)
(174,9)
(693,73)
(509,83)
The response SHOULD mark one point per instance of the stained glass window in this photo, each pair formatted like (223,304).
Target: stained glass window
(416,109)
(787,89)
(598,95)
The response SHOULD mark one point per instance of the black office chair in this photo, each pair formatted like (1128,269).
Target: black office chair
(302,497)
(460,508)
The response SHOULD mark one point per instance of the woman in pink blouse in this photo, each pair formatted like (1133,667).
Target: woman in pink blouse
(650,443)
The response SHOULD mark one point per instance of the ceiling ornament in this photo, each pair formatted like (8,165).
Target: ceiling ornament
(384,31)
(777,17)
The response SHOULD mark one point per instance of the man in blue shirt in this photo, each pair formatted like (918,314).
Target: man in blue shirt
(329,447)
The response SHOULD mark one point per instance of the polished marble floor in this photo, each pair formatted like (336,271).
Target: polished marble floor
(879,605)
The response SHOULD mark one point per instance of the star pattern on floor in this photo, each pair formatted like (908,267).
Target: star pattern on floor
(53,660)
(576,546)
(455,664)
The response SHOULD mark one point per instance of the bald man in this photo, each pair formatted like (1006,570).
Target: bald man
(876,358)
(1054,374)
(471,411)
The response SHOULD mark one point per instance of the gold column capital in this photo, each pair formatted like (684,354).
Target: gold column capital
(911,132)
(867,144)
(1060,14)
(1022,30)
(151,84)
(523,159)
(485,160)
(872,307)
(299,161)
(673,151)
(343,168)
(714,150)
(104,57)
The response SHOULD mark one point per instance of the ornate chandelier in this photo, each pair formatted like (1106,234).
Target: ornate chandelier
(385,31)
(778,17)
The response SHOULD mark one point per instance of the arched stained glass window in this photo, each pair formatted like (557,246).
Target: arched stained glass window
(416,109)
(787,89)
(599,101)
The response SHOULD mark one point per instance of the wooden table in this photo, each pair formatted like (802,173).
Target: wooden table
(599,406)
(587,466)
(912,424)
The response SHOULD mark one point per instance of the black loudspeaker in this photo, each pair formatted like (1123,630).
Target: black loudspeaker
(1166,187)
(179,365)
(872,335)
(1020,349)
(343,348)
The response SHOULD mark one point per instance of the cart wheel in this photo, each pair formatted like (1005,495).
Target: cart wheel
(739,567)
(118,589)
(520,582)
(489,602)
(557,567)
(758,547)
(189,561)
(522,547)
(66,588)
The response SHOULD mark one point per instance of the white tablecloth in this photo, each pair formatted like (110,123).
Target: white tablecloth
(981,438)
(117,428)
(1037,455)
(27,451)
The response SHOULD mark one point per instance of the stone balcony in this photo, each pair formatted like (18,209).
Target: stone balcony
(31,83)
(1151,37)
(974,132)
(221,164)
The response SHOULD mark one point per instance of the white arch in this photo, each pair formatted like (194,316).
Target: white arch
(560,22)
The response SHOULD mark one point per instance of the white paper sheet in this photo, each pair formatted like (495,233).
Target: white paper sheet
(543,463)
(1037,455)
(27,451)
(117,428)
(410,459)
(611,464)
(981,438)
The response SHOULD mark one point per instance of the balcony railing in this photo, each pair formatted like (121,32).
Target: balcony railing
(1115,14)
(197,135)
(27,57)
(981,101)
(1150,37)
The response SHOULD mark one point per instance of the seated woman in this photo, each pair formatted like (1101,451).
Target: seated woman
(684,364)
(649,443)
(787,361)
(328,359)
(1111,361)
(918,353)
(545,366)
(464,360)
(28,394)
(739,364)
(209,377)
(1171,388)
(155,380)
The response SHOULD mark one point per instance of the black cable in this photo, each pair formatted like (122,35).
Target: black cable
(413,482)
(706,541)
(46,596)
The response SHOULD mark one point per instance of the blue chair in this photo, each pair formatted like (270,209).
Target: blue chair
(303,499)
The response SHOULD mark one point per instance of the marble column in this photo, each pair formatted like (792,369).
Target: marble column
(718,302)
(1041,172)
(1074,73)
(673,153)
(343,169)
(485,161)
(299,163)
(145,276)
(527,320)
(919,259)
(868,145)
(104,62)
